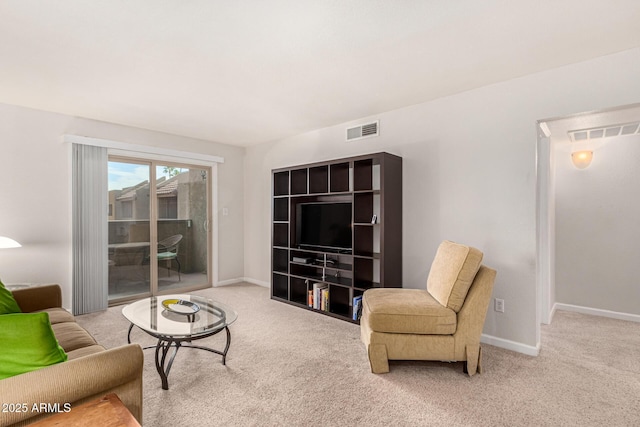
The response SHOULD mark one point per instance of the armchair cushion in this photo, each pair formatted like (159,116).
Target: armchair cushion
(452,272)
(410,311)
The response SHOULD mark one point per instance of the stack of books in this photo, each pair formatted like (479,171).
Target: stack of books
(319,297)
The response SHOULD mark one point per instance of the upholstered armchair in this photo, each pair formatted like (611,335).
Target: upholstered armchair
(443,322)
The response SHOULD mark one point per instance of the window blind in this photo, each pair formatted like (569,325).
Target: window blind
(90,228)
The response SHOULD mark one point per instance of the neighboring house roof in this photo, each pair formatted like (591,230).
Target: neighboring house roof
(165,188)
(168,188)
(130,192)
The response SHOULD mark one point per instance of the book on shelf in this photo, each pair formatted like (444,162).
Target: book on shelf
(324,299)
(357,307)
(317,294)
(310,298)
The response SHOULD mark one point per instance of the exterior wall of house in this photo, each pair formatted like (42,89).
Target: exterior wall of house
(469,176)
(35,192)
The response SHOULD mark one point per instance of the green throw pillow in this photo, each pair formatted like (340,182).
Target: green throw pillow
(8,304)
(28,343)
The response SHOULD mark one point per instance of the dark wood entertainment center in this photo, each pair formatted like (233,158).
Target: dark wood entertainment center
(373,185)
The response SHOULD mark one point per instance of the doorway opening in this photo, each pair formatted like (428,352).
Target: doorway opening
(585,214)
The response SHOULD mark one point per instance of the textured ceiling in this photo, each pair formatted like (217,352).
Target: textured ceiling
(246,72)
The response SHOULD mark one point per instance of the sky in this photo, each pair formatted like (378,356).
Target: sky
(123,175)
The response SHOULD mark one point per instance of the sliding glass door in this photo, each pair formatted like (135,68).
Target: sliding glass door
(181,227)
(129,229)
(159,239)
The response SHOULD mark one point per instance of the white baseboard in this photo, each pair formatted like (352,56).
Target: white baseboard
(243,279)
(510,345)
(257,282)
(597,312)
(229,282)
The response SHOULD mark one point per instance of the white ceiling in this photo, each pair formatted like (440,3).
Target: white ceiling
(246,72)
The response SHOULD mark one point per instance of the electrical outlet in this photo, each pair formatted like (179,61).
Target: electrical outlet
(499,305)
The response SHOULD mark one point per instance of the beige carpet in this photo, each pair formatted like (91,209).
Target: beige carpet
(291,367)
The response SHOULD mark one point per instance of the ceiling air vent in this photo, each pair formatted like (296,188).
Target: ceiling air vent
(363,131)
(604,132)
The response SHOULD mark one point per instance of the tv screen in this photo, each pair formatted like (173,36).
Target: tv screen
(324,225)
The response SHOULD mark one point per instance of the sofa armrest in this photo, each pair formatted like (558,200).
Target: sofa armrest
(38,298)
(77,381)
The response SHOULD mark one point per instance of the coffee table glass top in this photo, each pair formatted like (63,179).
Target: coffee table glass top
(179,315)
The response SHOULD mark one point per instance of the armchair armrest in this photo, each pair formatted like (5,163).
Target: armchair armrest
(38,298)
(117,370)
(474,311)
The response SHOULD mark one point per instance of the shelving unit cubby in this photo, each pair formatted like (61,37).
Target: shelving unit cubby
(372,184)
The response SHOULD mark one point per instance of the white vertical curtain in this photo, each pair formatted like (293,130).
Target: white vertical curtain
(90,228)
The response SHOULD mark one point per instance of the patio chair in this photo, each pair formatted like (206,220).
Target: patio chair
(168,251)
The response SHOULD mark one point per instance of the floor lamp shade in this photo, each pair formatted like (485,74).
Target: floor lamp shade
(6,242)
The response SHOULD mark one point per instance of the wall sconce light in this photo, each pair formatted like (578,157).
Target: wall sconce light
(582,159)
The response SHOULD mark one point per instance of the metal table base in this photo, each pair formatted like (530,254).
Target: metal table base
(165,343)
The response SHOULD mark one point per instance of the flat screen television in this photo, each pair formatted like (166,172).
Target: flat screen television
(324,225)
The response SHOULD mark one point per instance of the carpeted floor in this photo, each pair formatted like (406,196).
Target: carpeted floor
(291,367)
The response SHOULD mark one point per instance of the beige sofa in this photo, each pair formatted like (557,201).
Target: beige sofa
(90,372)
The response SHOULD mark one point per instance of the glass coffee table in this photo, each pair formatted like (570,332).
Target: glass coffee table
(178,319)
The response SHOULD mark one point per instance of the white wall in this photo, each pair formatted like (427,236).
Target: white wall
(35,192)
(598,228)
(469,175)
